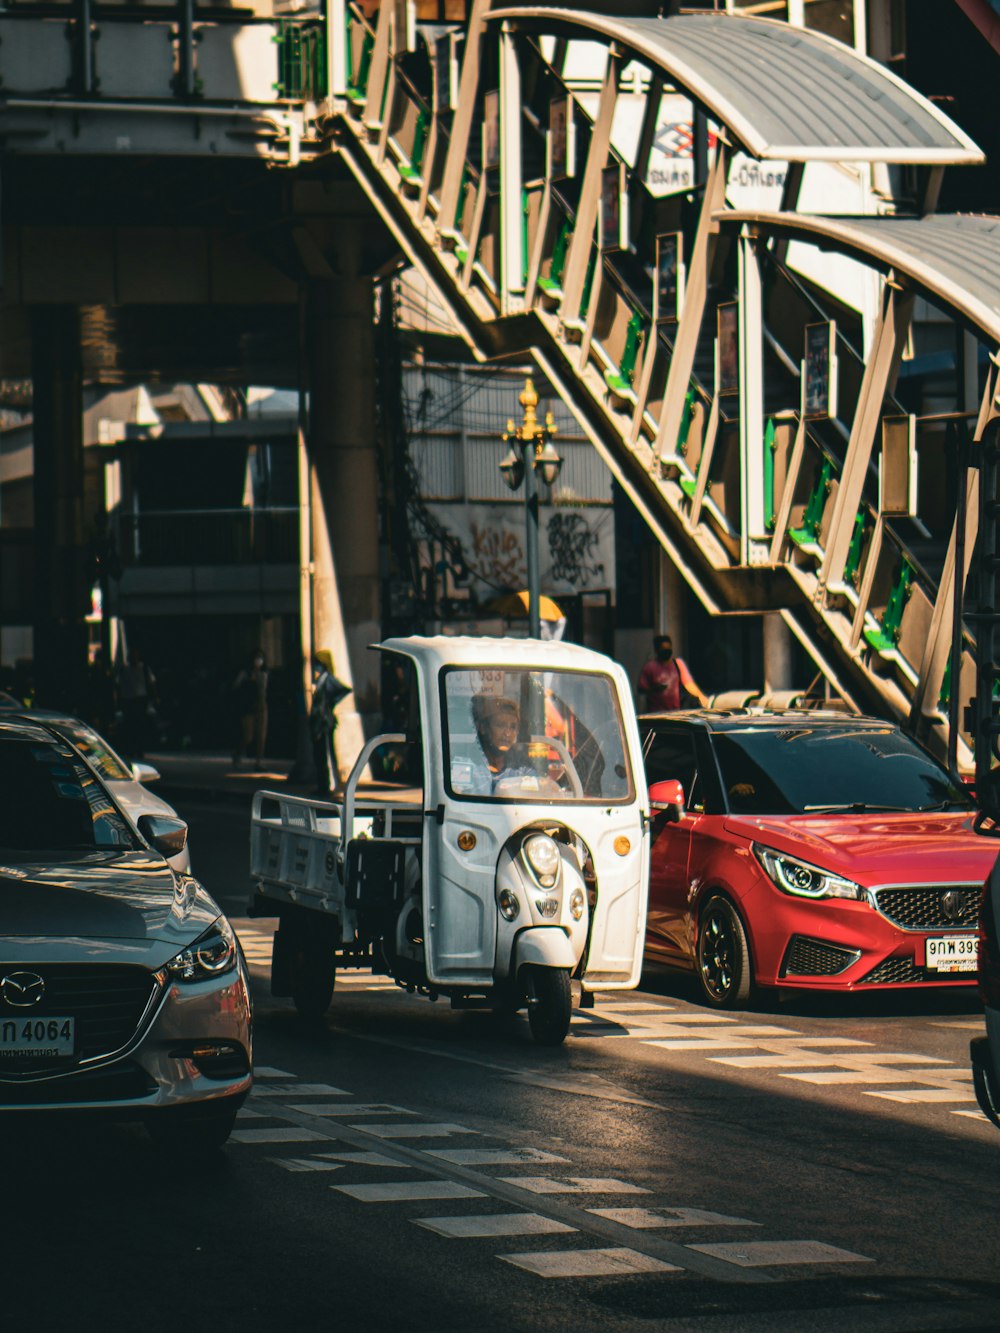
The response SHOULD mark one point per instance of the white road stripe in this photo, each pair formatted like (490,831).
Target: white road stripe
(301,1090)
(350,1108)
(588,1263)
(493,1156)
(413,1131)
(928,1095)
(494,1224)
(244,1113)
(289,1134)
(267,1071)
(972,1115)
(366,1159)
(860,1061)
(305,1164)
(827,1077)
(648,1219)
(765,1253)
(398,1191)
(573,1185)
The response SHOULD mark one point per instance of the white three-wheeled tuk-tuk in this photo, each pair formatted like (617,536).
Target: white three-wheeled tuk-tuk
(521,869)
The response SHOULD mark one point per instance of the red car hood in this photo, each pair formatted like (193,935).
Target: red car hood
(879,848)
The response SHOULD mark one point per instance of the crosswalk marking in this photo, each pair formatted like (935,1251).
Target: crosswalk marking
(300,1090)
(349,1108)
(648,1219)
(494,1224)
(282,1134)
(676,1038)
(398,1191)
(860,1074)
(573,1185)
(306,1164)
(365,1159)
(588,1263)
(267,1071)
(440,1131)
(765,1253)
(493,1156)
(927,1095)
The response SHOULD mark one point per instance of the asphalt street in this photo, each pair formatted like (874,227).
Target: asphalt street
(805,1165)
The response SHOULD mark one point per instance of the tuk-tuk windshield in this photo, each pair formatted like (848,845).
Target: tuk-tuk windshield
(527,735)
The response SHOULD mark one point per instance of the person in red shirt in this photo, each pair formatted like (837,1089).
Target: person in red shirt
(663,675)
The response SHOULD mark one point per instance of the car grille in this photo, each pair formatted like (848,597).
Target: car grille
(930,906)
(108,1002)
(814,958)
(895,970)
(115,1083)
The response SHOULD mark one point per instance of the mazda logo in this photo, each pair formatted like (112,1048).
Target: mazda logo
(22,990)
(951,905)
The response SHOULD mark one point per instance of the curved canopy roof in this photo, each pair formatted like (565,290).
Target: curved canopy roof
(952,258)
(783,92)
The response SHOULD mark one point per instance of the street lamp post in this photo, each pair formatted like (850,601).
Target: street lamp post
(531,450)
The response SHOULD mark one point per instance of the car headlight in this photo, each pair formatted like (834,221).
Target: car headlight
(801,879)
(542,855)
(210,955)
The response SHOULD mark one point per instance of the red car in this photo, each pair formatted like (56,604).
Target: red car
(809,851)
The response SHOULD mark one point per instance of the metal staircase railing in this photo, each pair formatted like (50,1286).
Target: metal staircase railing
(525,274)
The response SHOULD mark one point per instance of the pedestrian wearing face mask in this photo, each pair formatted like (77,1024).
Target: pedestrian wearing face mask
(250,692)
(664,678)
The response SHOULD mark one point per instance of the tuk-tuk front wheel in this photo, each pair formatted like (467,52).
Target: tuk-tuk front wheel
(550,1004)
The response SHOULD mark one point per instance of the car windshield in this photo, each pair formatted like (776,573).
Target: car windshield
(808,769)
(95,750)
(534,736)
(51,802)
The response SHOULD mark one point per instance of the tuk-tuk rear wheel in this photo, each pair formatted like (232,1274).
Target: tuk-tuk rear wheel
(550,1005)
(314,974)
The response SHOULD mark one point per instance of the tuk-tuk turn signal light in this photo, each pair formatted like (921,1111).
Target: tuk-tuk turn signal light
(576,904)
(508,904)
(466,840)
(622,845)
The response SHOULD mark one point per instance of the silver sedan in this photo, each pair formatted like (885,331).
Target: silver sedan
(122,985)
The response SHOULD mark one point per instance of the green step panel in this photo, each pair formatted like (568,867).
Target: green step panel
(886,636)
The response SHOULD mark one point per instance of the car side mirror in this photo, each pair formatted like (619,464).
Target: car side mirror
(145,773)
(166,834)
(669,797)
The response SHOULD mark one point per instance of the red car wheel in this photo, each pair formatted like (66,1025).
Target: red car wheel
(725,972)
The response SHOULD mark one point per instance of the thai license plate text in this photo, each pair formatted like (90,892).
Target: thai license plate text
(952,953)
(41,1037)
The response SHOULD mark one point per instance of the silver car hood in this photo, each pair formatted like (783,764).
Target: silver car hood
(125,906)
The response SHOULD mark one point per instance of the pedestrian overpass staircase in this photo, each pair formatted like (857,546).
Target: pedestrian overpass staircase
(511,194)
(520,256)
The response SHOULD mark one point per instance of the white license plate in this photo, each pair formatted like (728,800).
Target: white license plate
(952,953)
(40,1037)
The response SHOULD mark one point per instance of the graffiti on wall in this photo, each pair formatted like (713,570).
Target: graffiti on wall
(573,546)
(576,546)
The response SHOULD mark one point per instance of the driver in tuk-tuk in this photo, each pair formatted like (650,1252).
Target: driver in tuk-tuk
(497,719)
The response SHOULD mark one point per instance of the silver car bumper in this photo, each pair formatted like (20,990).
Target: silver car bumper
(193,1050)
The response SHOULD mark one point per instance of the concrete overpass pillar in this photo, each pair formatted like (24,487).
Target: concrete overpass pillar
(61,592)
(344,493)
(777,653)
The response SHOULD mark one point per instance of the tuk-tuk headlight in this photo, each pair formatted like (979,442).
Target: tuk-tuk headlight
(509,904)
(576,904)
(542,855)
